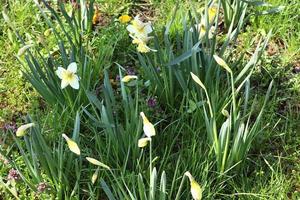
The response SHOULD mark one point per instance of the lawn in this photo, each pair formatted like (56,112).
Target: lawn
(149,99)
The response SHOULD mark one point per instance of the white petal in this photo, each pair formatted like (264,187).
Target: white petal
(148,28)
(74,82)
(72,67)
(131,29)
(64,84)
(59,72)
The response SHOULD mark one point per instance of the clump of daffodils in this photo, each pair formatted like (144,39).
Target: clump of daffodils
(139,32)
(148,129)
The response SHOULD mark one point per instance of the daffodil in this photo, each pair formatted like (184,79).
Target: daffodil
(97,162)
(142,44)
(124,19)
(138,28)
(212,12)
(222,63)
(95,176)
(196,189)
(128,78)
(72,145)
(68,76)
(148,127)
(21,131)
(143,142)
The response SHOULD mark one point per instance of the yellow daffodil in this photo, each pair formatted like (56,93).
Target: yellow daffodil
(128,78)
(148,127)
(222,63)
(142,44)
(212,12)
(138,28)
(196,189)
(21,131)
(97,162)
(68,76)
(72,145)
(124,19)
(143,142)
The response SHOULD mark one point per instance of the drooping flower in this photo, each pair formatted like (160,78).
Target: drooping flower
(72,145)
(95,176)
(68,76)
(97,162)
(138,28)
(125,19)
(196,189)
(148,127)
(21,131)
(222,63)
(143,142)
(128,78)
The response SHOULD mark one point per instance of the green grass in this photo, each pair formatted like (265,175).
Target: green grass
(272,167)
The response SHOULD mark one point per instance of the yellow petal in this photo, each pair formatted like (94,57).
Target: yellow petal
(124,19)
(128,78)
(212,14)
(222,63)
(21,131)
(72,145)
(97,162)
(143,142)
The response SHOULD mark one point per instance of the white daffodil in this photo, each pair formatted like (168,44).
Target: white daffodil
(196,189)
(128,78)
(68,76)
(72,145)
(21,131)
(148,127)
(143,142)
(138,28)
(97,162)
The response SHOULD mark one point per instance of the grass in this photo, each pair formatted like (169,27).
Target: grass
(271,170)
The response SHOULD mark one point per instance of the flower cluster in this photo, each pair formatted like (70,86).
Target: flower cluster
(139,32)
